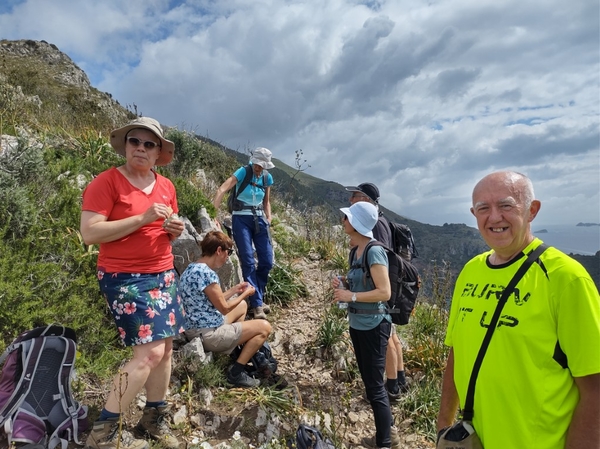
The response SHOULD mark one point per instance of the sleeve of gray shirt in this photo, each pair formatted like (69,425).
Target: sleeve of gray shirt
(382,233)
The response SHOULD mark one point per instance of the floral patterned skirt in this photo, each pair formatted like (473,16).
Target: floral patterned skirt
(145,307)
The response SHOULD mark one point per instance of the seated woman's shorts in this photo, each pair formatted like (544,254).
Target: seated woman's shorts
(145,307)
(219,339)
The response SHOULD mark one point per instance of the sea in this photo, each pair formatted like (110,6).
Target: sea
(570,238)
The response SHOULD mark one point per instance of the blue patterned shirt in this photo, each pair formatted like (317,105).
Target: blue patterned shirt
(200,312)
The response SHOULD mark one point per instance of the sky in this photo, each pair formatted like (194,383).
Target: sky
(422,98)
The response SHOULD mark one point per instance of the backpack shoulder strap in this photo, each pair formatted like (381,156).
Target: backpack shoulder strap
(23,386)
(245,181)
(365,262)
(351,255)
(69,410)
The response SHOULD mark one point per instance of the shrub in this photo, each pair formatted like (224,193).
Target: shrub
(193,153)
(190,200)
(290,243)
(332,328)
(427,329)
(284,285)
(426,355)
(421,405)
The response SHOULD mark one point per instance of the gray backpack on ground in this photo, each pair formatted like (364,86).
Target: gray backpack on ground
(37,409)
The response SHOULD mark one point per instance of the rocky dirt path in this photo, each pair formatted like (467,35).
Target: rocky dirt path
(316,375)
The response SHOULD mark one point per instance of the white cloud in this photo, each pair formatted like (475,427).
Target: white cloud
(421,98)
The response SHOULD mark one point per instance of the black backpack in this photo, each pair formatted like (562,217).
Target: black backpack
(309,438)
(405,283)
(261,360)
(403,242)
(232,202)
(37,408)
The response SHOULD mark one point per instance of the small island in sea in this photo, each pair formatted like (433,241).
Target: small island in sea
(587,224)
(541,231)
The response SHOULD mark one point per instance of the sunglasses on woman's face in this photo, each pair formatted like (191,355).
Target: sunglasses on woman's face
(148,144)
(229,251)
(345,218)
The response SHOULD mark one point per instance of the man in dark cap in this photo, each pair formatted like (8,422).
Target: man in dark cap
(369,192)
(394,359)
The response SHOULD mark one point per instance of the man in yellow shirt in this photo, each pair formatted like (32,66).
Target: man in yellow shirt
(539,384)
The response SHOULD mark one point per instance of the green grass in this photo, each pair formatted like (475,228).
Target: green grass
(285,283)
(332,328)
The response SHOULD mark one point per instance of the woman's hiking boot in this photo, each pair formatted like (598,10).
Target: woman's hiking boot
(259,313)
(105,435)
(394,437)
(154,425)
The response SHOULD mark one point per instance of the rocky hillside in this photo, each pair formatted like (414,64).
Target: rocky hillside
(40,86)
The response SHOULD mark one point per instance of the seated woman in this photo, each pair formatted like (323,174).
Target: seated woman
(217,316)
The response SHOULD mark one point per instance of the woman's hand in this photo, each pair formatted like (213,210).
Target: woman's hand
(155,212)
(241,287)
(242,290)
(174,226)
(248,291)
(335,282)
(341,295)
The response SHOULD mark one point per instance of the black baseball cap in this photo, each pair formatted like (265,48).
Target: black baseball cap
(368,189)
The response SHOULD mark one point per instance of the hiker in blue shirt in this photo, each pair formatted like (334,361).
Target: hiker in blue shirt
(251,222)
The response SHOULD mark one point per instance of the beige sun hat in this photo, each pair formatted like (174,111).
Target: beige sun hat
(118,136)
(261,156)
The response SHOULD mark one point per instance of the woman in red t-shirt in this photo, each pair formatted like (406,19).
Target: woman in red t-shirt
(130,211)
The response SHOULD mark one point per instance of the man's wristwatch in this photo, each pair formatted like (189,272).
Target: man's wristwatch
(353,297)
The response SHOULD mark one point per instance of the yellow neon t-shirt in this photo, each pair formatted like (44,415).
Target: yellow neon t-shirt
(524,398)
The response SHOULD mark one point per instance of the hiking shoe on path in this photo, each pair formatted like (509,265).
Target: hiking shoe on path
(259,313)
(105,435)
(242,379)
(394,397)
(154,425)
(396,443)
